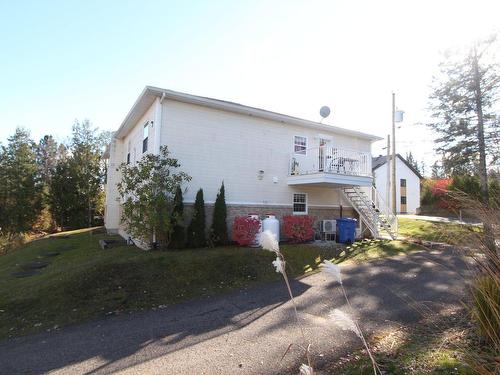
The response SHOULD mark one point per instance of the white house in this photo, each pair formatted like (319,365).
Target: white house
(269,162)
(407,183)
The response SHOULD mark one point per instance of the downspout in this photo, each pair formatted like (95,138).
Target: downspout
(158,123)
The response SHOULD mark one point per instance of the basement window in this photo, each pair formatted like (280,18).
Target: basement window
(145,136)
(300,204)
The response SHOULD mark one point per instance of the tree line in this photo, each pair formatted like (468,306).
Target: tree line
(51,186)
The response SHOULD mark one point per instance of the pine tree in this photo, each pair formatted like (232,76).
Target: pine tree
(196,229)
(412,161)
(437,171)
(219,225)
(178,239)
(20,191)
(46,153)
(87,145)
(63,195)
(462,104)
(46,157)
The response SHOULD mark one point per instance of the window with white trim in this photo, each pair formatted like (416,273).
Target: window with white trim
(300,145)
(300,203)
(145,137)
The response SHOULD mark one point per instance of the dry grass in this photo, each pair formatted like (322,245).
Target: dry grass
(436,345)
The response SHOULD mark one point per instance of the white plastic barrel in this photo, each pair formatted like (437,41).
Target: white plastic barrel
(272,224)
(256,241)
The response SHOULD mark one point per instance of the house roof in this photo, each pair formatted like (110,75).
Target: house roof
(150,93)
(382,159)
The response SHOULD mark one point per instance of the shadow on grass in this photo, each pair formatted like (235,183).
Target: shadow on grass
(376,292)
(369,249)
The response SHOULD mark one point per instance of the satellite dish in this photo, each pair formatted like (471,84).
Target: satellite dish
(324,112)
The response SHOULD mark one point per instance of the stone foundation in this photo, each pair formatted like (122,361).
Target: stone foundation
(319,213)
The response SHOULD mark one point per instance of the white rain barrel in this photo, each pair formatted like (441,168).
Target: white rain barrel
(256,241)
(272,224)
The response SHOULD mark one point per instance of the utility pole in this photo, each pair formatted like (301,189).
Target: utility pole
(393,159)
(388,161)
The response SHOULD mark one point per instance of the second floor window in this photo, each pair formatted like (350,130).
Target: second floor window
(300,145)
(145,137)
(403,182)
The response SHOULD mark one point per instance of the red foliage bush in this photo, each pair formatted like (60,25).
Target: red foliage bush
(298,228)
(440,190)
(244,230)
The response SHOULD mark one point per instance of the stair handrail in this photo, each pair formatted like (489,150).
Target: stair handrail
(385,210)
(368,222)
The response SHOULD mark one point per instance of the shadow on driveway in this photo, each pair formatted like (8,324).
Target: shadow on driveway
(252,327)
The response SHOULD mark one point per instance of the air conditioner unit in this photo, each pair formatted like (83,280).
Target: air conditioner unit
(328,226)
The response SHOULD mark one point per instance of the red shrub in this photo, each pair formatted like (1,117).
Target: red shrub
(298,228)
(244,230)
(440,189)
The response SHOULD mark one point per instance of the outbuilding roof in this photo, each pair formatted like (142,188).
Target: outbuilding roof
(382,159)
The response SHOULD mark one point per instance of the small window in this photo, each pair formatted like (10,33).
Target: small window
(300,203)
(403,199)
(403,182)
(145,137)
(300,145)
(128,152)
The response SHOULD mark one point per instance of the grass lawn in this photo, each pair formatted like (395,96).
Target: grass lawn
(454,234)
(441,344)
(85,282)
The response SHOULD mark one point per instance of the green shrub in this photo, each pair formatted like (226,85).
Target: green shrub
(219,225)
(178,238)
(196,229)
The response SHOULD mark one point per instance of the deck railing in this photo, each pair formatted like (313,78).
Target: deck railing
(330,160)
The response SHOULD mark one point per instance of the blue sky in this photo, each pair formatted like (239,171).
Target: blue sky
(67,60)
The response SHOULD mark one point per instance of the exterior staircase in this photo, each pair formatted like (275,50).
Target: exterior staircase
(373,211)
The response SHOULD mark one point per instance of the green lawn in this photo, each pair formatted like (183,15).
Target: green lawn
(85,282)
(440,344)
(454,234)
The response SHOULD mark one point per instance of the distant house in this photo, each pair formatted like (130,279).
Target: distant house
(407,183)
(269,162)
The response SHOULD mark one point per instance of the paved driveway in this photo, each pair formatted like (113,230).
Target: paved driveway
(245,332)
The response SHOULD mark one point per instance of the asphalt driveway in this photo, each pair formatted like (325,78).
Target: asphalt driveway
(246,332)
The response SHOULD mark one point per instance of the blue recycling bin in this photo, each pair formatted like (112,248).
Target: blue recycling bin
(346,230)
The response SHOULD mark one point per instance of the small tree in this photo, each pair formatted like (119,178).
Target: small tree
(178,239)
(148,190)
(219,225)
(196,229)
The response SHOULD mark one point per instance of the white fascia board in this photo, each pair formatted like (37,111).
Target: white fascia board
(148,95)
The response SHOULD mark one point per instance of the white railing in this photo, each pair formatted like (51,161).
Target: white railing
(385,210)
(327,159)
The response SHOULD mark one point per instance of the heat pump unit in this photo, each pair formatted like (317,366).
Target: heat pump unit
(328,226)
